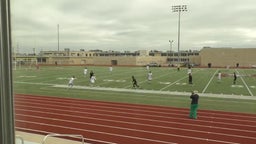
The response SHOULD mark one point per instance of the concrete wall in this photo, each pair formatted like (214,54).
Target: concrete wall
(108,60)
(222,57)
(144,60)
(195,60)
(121,60)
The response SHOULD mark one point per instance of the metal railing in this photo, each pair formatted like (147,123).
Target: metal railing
(20,138)
(63,135)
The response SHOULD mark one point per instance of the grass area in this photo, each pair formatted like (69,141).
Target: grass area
(41,82)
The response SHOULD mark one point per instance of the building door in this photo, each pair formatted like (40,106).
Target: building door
(113,62)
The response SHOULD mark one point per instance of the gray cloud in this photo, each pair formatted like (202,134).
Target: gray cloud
(132,24)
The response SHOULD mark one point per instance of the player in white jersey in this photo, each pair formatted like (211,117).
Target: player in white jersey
(189,70)
(71,82)
(147,67)
(219,76)
(149,76)
(110,69)
(85,71)
(93,79)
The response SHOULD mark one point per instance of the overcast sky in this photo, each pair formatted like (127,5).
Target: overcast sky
(129,25)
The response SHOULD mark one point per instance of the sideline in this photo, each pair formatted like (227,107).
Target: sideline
(145,91)
(245,84)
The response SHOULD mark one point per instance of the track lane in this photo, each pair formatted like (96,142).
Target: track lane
(134,116)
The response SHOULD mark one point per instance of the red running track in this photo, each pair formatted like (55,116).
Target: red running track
(109,122)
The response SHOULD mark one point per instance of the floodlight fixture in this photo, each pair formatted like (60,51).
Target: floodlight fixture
(179,8)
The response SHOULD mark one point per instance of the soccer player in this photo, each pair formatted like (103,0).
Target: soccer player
(85,71)
(189,70)
(194,105)
(219,76)
(91,74)
(93,79)
(190,78)
(147,67)
(134,82)
(71,82)
(110,68)
(178,67)
(150,76)
(235,77)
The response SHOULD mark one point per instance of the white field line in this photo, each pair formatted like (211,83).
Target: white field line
(209,82)
(146,80)
(140,109)
(133,137)
(245,84)
(155,78)
(109,76)
(82,111)
(173,83)
(99,132)
(144,91)
(176,82)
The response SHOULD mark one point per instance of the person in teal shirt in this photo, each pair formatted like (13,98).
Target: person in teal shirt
(194,105)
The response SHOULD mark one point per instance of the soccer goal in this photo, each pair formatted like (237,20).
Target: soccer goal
(24,63)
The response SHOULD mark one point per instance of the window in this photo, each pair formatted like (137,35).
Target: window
(6,95)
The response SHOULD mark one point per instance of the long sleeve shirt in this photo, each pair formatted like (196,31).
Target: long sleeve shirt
(195,98)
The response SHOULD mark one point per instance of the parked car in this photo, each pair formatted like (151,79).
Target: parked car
(153,64)
(253,66)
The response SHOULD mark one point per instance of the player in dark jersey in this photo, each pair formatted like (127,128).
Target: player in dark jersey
(134,82)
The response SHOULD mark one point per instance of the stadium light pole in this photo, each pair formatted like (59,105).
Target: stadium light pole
(58,35)
(170,41)
(179,9)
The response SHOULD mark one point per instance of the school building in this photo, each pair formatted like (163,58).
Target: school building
(215,57)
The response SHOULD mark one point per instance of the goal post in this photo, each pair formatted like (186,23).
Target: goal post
(24,63)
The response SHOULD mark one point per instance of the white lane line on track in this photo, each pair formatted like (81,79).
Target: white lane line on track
(139,112)
(132,123)
(146,139)
(161,121)
(134,108)
(131,106)
(152,120)
(132,113)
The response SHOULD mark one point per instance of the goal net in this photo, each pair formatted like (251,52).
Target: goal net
(24,63)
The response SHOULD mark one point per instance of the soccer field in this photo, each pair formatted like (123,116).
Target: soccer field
(169,87)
